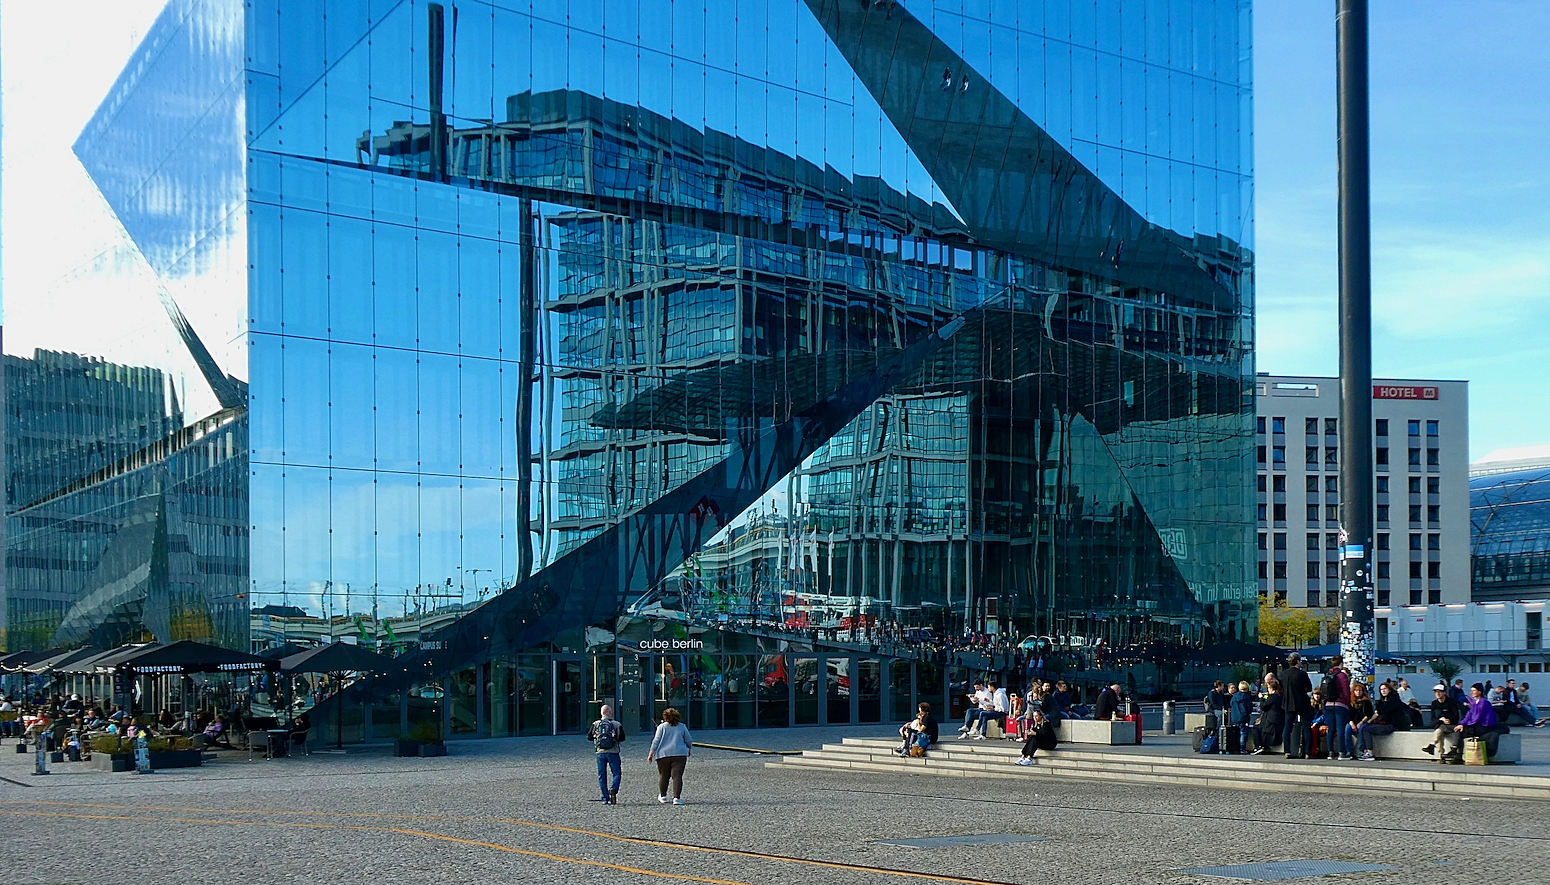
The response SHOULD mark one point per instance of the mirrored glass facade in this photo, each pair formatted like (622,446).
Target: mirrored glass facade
(1509,521)
(564,323)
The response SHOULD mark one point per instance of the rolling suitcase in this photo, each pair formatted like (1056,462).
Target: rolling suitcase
(1230,739)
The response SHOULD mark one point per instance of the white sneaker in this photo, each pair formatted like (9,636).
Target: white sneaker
(678,801)
(662,799)
(1024,761)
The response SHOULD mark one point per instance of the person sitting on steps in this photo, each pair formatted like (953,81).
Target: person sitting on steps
(918,733)
(1041,736)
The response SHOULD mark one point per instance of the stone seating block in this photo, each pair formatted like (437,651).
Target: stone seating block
(1193,721)
(1090,731)
(1408,744)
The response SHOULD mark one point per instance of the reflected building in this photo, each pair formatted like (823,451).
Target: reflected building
(557,327)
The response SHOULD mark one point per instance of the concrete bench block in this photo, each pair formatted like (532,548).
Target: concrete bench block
(1193,721)
(1408,744)
(1091,731)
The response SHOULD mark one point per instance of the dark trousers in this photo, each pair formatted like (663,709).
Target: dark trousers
(1301,723)
(671,768)
(607,762)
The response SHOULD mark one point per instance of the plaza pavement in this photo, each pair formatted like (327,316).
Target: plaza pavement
(516,810)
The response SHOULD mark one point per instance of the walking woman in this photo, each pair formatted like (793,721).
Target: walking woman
(670,748)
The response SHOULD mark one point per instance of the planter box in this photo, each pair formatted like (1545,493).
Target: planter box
(427,750)
(176,759)
(406,748)
(112,761)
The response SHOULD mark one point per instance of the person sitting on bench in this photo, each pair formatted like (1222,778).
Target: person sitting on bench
(1447,743)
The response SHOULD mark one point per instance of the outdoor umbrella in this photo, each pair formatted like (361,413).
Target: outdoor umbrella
(188,656)
(338,658)
(1325,652)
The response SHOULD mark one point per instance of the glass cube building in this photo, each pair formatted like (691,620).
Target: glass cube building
(577,346)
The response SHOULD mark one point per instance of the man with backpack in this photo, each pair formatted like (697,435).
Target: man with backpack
(1336,689)
(606,734)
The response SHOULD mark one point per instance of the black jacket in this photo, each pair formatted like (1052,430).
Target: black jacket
(1107,706)
(1272,717)
(1044,736)
(1297,687)
(931,729)
(1448,709)
(1392,711)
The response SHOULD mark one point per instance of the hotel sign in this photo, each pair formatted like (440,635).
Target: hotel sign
(1391,391)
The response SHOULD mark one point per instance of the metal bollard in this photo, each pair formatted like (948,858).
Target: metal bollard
(1167,717)
(40,764)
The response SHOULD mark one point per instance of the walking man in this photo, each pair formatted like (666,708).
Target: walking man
(606,734)
(1297,687)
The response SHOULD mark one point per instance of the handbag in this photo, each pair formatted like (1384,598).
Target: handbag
(1474,751)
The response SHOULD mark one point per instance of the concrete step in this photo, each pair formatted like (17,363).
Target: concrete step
(993,759)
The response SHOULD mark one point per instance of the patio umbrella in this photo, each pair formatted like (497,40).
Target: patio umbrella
(1238,652)
(337,659)
(188,656)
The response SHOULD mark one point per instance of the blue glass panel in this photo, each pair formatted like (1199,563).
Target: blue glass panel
(306,401)
(398,420)
(479,304)
(264,277)
(308,557)
(304,272)
(352,395)
(350,308)
(439,413)
(393,292)
(398,530)
(482,422)
(353,531)
(437,280)
(266,386)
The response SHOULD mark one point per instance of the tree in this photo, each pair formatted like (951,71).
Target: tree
(1445,670)
(1280,624)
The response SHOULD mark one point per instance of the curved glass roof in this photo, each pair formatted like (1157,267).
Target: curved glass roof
(1509,522)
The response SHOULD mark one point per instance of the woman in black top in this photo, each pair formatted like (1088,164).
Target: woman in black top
(1272,716)
(1041,736)
(1389,715)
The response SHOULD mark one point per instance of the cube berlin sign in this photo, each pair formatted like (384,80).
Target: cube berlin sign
(1393,391)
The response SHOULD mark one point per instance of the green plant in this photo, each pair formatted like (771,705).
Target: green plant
(1445,670)
(107,743)
(426,732)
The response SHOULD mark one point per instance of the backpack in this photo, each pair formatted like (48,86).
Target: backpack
(1329,687)
(1208,745)
(605,735)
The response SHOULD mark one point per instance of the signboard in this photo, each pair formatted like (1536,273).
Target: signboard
(1395,391)
(647,646)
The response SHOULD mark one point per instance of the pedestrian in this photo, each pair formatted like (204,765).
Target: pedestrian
(670,749)
(606,734)
(1295,684)
(1336,689)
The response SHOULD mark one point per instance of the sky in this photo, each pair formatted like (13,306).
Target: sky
(1460,181)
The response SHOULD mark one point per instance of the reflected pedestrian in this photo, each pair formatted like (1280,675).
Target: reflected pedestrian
(606,734)
(670,749)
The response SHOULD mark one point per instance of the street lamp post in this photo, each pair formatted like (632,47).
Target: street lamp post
(1357,642)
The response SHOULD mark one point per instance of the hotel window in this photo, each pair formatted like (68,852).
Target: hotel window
(1262,540)
(1415,570)
(1264,570)
(1310,426)
(1277,425)
(1383,485)
(1329,426)
(1311,483)
(1415,513)
(1312,456)
(1279,454)
(1431,429)
(1415,485)
(1415,457)
(1383,541)
(1261,456)
(1280,484)
(1332,457)
(1332,513)
(1383,570)
(1280,540)
(1332,541)
(1434,569)
(1415,428)
(1280,512)
(1331,484)
(1261,426)
(1280,571)
(1313,513)
(1383,427)
(1262,482)
(1261,513)
(1433,514)
(1383,513)
(1313,540)
(1432,458)
(1381,456)
(1434,541)
(1415,542)
(1433,485)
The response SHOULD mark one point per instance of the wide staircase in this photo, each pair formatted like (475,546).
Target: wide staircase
(1175,766)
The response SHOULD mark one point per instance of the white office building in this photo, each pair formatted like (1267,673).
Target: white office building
(1421,456)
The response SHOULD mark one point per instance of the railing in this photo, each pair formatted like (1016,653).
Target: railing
(1461,641)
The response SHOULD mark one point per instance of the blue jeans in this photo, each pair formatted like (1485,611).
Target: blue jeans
(605,762)
(1364,739)
(1339,721)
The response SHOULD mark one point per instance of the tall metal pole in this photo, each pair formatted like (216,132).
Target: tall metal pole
(1356,473)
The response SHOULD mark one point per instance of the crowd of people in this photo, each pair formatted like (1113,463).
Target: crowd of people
(1340,718)
(70,724)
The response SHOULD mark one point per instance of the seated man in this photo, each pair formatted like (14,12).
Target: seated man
(1108,703)
(1528,708)
(980,698)
(995,711)
(1445,715)
(1041,736)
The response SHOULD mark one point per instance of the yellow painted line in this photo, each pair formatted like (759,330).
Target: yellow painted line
(633,840)
(678,877)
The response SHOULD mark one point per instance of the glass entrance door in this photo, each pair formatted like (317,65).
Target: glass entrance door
(570,696)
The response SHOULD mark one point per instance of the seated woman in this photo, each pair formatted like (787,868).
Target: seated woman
(1389,715)
(920,732)
(1041,736)
(1272,716)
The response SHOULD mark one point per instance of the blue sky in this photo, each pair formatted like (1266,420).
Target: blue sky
(1461,200)
(1461,197)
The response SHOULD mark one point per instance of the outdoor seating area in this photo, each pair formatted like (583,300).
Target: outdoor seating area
(93,706)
